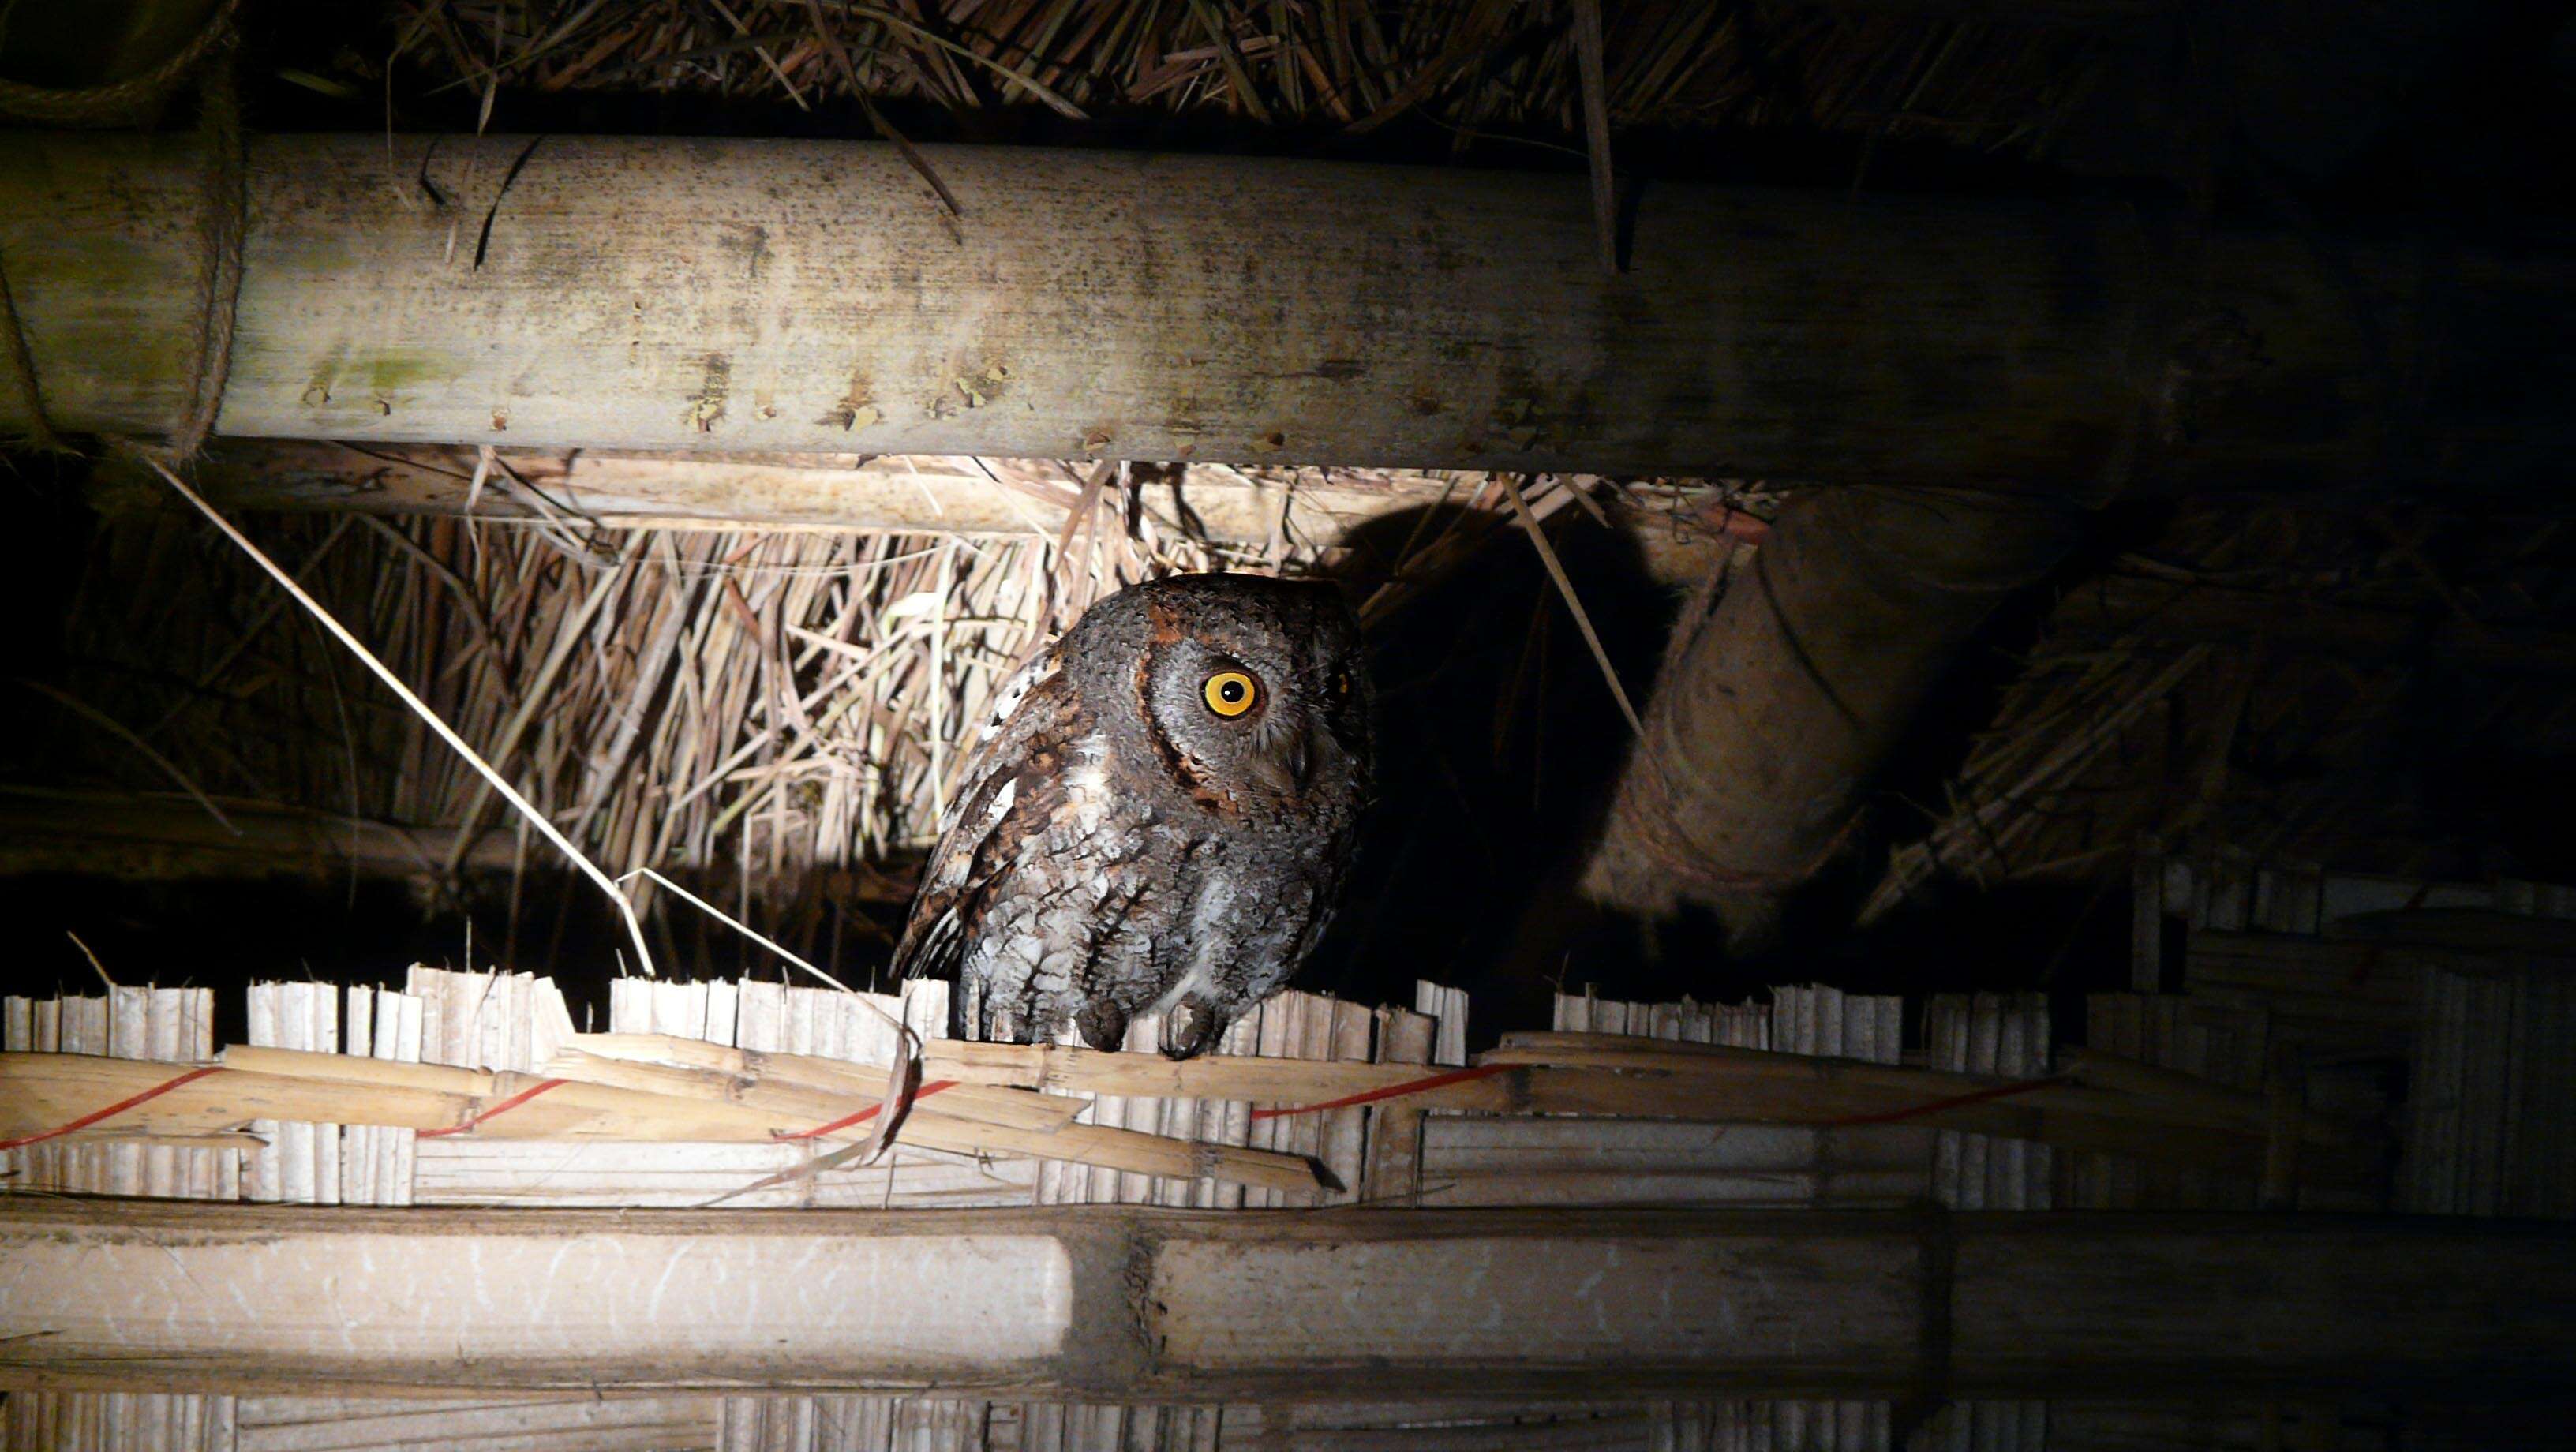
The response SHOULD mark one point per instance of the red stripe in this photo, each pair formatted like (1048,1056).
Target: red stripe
(1459,1076)
(864,1115)
(119,1107)
(1393,1091)
(2000,1091)
(504,1107)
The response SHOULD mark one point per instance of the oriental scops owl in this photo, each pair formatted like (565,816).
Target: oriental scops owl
(1159,818)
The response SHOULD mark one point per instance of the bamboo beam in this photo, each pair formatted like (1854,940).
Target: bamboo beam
(901,494)
(808,297)
(1118,1303)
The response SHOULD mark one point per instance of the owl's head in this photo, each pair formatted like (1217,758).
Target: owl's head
(1243,686)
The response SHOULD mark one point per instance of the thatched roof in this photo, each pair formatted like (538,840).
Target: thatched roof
(1498,78)
(2368,685)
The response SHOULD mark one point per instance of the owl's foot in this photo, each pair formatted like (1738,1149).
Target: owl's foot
(982,1019)
(1191,1027)
(1103,1025)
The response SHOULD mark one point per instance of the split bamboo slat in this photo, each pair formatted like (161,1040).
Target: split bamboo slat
(2229,892)
(2007,1035)
(2223,1049)
(2492,1120)
(553,1422)
(2342,998)
(1861,1166)
(137,1023)
(299,1162)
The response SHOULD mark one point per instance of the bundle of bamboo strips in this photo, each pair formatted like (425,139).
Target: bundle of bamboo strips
(596,1097)
(621,1087)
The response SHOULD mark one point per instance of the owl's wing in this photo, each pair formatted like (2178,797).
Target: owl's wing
(1010,792)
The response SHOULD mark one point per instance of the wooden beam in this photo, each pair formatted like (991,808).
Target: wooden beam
(1117,1302)
(808,297)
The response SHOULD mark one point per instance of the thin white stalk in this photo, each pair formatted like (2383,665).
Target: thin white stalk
(510,794)
(1574,603)
(720,915)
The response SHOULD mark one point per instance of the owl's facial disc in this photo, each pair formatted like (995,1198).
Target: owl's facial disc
(1230,719)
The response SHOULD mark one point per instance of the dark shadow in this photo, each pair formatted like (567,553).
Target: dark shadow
(1498,742)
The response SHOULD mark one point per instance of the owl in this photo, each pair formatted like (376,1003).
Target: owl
(1159,817)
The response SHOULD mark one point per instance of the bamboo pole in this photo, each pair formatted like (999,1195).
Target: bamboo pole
(1115,1303)
(742,296)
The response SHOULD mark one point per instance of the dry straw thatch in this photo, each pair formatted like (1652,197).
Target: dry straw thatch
(770,716)
(2316,680)
(1482,70)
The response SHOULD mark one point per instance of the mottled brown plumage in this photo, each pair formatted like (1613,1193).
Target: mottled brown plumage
(1160,818)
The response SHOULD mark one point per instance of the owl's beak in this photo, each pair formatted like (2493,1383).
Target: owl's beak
(1284,763)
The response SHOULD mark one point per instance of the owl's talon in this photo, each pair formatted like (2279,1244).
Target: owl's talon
(1191,1028)
(1103,1025)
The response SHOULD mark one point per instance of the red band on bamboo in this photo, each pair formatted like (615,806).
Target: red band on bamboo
(504,1107)
(111,1111)
(864,1115)
(2000,1091)
(1392,1091)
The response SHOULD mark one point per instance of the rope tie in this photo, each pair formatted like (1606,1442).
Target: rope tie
(220,227)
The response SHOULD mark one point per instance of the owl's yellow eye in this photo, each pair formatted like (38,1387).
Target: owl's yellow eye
(1230,693)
